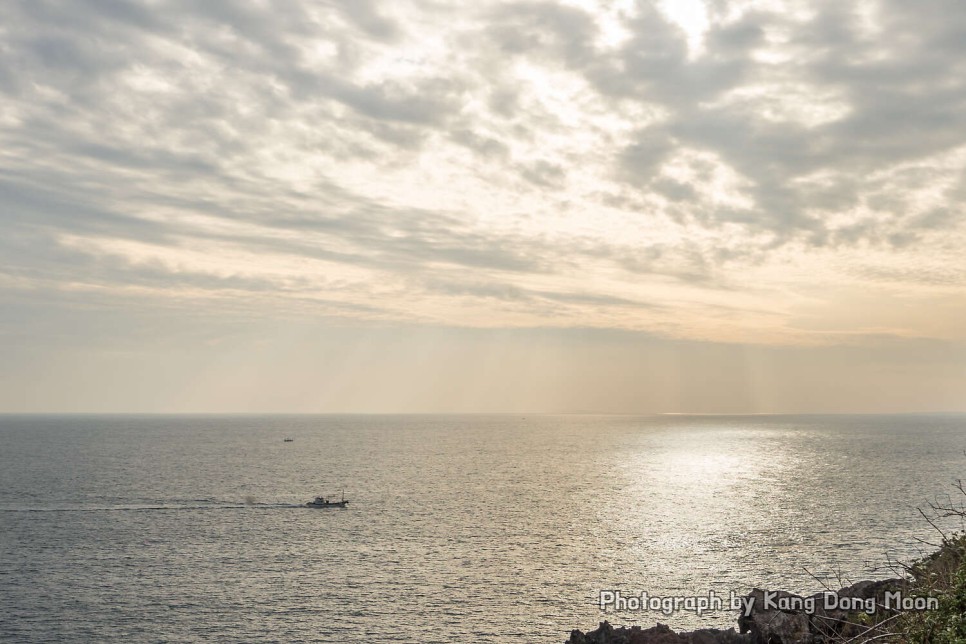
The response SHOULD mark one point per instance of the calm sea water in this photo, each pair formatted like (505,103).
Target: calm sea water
(460,528)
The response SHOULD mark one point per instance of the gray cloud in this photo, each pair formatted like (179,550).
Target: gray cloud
(548,30)
(904,94)
(270,129)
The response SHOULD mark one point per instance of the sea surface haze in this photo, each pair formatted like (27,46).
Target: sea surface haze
(459,528)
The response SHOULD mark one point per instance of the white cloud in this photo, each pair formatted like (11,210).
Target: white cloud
(522,163)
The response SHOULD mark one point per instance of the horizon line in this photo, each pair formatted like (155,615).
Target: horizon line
(479,413)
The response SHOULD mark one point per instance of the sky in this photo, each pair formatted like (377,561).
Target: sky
(684,206)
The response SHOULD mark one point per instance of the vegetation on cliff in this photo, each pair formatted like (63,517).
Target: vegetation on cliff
(942,575)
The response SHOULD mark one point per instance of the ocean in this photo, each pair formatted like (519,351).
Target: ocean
(473,528)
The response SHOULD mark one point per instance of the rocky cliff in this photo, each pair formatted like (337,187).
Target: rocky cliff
(856,613)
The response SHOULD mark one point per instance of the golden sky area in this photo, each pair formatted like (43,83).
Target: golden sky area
(674,206)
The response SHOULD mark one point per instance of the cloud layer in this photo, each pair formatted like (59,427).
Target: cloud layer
(757,172)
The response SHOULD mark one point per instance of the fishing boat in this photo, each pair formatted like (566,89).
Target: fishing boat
(322,502)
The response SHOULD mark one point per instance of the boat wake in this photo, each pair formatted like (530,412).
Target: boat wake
(165,507)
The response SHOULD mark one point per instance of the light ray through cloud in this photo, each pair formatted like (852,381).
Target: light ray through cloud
(775,176)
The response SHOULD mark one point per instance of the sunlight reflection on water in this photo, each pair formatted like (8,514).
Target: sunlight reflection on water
(490,528)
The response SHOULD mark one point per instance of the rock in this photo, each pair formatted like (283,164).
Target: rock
(768,625)
(660,634)
(806,620)
(715,636)
(783,619)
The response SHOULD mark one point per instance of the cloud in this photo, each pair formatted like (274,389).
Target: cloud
(517,163)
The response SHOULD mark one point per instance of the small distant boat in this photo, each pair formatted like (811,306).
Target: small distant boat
(287,440)
(322,502)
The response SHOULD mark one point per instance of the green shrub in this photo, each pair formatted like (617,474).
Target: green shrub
(941,575)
